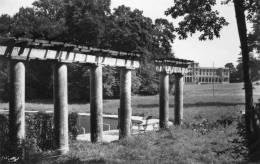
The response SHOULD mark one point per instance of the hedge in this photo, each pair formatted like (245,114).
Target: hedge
(39,134)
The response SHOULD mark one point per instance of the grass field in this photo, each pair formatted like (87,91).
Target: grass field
(198,99)
(219,144)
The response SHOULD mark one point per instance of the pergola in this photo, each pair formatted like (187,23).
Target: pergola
(22,50)
(167,66)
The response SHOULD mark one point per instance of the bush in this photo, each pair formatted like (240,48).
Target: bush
(39,127)
(204,126)
(39,134)
(150,89)
(3,133)
(73,128)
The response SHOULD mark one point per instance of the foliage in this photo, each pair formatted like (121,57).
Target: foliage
(33,23)
(78,81)
(39,134)
(85,20)
(197,15)
(236,75)
(182,145)
(73,128)
(164,37)
(5,24)
(89,23)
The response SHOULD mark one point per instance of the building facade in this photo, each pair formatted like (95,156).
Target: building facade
(204,75)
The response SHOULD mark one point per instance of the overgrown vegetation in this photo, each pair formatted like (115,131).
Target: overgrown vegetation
(199,141)
(213,130)
(39,135)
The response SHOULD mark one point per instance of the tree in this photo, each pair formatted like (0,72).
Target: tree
(242,30)
(164,36)
(234,76)
(85,20)
(198,16)
(91,23)
(38,22)
(130,31)
(231,67)
(254,37)
(5,24)
(254,63)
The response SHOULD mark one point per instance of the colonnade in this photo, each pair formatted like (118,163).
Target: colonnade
(17,56)
(164,100)
(60,99)
(60,94)
(167,67)
(18,51)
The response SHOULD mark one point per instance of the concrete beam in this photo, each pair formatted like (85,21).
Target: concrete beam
(16,101)
(96,103)
(164,100)
(60,95)
(88,57)
(125,112)
(178,100)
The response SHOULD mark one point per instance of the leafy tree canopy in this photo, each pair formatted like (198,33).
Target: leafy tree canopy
(197,16)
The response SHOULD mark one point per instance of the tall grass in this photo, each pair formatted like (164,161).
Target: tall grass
(208,135)
(177,145)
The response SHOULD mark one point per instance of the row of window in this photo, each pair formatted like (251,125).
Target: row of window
(205,80)
(208,73)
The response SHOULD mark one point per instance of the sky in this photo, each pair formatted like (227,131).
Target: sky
(219,51)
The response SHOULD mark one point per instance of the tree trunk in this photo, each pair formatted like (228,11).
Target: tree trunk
(242,30)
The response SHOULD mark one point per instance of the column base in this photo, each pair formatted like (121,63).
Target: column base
(62,151)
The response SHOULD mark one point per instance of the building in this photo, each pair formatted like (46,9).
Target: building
(204,75)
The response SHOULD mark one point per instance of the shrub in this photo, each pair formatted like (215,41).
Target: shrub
(39,134)
(150,89)
(73,128)
(204,126)
(40,128)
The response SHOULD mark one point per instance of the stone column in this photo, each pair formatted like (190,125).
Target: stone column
(16,102)
(96,103)
(125,103)
(60,96)
(178,112)
(164,100)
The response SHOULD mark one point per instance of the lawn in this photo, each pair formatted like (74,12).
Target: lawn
(198,99)
(204,138)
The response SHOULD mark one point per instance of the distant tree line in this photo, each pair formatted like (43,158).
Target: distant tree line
(236,73)
(90,23)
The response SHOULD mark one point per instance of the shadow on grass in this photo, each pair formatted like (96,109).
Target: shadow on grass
(78,161)
(198,104)
(53,158)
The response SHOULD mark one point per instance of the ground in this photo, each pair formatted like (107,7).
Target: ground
(206,137)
